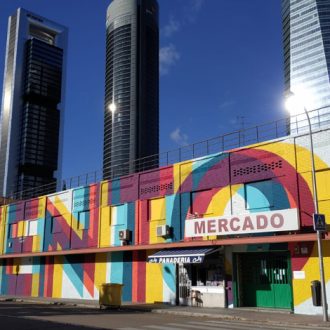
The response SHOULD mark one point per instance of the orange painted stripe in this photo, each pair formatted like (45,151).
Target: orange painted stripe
(89,284)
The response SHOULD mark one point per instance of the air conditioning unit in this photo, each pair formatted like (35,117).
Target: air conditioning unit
(163,231)
(124,235)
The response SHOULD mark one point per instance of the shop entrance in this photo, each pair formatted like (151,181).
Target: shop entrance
(203,284)
(264,280)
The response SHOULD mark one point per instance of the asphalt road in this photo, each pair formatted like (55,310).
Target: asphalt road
(23,316)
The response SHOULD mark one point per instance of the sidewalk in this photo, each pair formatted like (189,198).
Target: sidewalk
(244,314)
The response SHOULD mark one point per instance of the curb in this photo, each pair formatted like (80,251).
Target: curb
(240,318)
(171,312)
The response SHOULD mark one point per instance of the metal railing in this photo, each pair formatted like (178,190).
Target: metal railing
(296,124)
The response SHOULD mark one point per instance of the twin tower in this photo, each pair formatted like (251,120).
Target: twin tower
(32,112)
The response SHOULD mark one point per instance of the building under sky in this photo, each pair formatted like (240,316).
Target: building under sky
(131,114)
(306,35)
(32,104)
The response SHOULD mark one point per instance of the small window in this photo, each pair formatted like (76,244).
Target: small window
(259,195)
(157,209)
(32,228)
(201,202)
(119,214)
(83,220)
(12,230)
(57,224)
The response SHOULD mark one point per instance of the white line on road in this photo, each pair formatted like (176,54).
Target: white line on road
(194,325)
(162,327)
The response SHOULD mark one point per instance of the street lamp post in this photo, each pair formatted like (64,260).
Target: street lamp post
(293,105)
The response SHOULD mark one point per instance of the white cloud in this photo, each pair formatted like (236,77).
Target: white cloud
(168,56)
(226,104)
(187,16)
(191,10)
(178,137)
(172,26)
(196,5)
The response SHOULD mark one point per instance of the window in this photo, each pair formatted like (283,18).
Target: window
(12,230)
(32,228)
(259,195)
(119,214)
(83,220)
(201,202)
(57,224)
(157,209)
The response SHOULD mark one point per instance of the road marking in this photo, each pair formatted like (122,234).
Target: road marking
(194,325)
(162,327)
(238,324)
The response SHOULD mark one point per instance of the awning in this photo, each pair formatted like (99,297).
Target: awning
(180,256)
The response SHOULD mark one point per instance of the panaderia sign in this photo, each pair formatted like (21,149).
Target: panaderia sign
(263,222)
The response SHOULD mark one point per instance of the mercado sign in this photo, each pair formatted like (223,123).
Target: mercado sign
(249,223)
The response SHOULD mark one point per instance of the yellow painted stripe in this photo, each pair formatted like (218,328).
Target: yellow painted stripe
(176,177)
(301,288)
(42,207)
(105,226)
(35,285)
(217,206)
(20,231)
(36,243)
(57,277)
(154,283)
(104,193)
(100,269)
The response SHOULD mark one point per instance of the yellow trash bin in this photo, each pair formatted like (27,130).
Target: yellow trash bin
(110,294)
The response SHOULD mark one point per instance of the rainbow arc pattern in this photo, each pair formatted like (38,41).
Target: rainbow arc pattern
(271,176)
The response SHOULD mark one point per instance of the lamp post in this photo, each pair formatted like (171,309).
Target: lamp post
(296,106)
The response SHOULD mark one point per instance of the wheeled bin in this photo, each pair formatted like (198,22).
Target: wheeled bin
(110,295)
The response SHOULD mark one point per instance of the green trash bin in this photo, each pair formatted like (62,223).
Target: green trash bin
(110,295)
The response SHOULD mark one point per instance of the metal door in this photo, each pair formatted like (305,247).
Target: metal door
(265,280)
(184,285)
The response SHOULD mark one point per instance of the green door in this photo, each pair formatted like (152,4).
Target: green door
(264,280)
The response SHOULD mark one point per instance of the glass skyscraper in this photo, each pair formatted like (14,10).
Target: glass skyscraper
(306,37)
(31,123)
(131,115)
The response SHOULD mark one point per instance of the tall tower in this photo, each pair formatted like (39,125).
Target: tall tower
(31,123)
(306,38)
(131,114)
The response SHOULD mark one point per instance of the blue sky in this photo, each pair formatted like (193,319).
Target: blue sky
(221,65)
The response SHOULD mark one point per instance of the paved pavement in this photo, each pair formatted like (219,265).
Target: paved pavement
(213,317)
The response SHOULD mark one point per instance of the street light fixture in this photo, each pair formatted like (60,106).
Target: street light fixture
(297,106)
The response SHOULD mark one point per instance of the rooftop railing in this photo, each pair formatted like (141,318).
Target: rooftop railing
(320,118)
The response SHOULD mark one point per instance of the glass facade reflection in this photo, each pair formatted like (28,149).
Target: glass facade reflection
(131,131)
(306,38)
(32,105)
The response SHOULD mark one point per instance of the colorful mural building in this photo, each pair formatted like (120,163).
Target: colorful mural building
(231,229)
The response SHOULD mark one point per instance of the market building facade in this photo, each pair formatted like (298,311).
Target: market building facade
(231,229)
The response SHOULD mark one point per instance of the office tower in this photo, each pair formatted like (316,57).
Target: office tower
(306,38)
(131,114)
(32,105)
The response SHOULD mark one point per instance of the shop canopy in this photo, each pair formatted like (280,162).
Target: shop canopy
(181,256)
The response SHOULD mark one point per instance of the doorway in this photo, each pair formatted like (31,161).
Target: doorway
(264,280)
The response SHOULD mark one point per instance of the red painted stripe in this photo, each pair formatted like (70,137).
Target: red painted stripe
(49,272)
(89,272)
(141,278)
(135,274)
(144,223)
(136,223)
